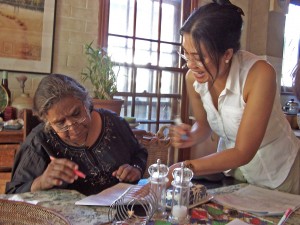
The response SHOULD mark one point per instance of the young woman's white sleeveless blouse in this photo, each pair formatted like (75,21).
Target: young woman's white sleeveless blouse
(279,147)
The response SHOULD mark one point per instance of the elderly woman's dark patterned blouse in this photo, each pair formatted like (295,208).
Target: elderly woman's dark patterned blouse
(115,146)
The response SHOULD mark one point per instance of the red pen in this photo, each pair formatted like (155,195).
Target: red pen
(77,172)
(287,213)
(49,152)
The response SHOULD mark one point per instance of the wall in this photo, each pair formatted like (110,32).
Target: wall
(76,24)
(266,32)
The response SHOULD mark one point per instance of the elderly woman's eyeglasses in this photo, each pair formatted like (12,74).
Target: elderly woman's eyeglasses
(197,62)
(75,123)
(60,128)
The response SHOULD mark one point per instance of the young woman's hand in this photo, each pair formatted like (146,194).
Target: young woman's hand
(57,172)
(181,136)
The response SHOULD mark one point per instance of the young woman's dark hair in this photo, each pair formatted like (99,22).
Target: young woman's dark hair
(218,25)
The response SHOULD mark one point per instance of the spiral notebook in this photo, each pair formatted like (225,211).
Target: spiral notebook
(107,197)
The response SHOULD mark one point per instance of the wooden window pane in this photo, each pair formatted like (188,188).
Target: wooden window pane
(171,82)
(168,55)
(147,19)
(125,79)
(146,81)
(146,52)
(121,16)
(171,21)
(127,106)
(121,49)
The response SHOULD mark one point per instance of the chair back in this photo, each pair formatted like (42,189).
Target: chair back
(30,121)
(158,147)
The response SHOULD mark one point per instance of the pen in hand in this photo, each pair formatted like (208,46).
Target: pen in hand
(49,152)
(178,122)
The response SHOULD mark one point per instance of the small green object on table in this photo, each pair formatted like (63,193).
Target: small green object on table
(160,222)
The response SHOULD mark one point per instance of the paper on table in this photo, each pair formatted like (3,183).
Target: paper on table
(106,197)
(20,199)
(237,222)
(259,201)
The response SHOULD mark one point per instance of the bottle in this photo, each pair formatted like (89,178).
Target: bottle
(5,85)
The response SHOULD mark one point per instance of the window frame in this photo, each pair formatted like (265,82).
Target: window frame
(286,90)
(103,19)
(187,7)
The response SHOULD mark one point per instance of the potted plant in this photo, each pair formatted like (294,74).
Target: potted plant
(101,74)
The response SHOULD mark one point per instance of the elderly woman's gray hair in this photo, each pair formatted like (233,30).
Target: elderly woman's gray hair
(55,87)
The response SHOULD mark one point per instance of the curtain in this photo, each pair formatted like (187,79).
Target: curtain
(103,16)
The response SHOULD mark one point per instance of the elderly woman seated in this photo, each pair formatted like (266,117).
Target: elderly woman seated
(76,147)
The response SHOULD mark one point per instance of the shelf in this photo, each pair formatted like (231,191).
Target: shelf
(11,136)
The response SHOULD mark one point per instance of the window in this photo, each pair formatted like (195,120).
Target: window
(143,37)
(291,44)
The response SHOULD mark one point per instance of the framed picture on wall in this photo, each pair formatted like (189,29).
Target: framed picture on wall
(26,35)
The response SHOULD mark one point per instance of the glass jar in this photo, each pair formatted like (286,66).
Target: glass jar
(291,107)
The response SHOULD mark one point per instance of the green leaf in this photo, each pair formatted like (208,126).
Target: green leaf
(100,72)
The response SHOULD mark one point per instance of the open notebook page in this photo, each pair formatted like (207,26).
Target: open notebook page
(106,197)
(260,201)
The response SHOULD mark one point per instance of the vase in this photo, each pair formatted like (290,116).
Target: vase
(114,105)
(24,101)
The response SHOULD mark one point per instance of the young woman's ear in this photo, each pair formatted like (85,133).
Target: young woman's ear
(228,55)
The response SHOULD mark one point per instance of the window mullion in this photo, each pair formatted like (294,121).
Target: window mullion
(158,91)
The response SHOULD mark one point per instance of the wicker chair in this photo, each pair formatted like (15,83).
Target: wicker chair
(14,212)
(158,147)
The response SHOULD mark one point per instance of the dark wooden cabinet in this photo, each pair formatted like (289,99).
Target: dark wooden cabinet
(4,177)
(10,141)
(9,144)
(7,154)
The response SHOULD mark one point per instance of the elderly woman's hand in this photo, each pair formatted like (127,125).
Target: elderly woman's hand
(127,173)
(57,172)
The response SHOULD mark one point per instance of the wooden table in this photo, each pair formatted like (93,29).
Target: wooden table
(63,202)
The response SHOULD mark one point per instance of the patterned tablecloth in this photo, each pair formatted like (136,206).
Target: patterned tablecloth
(63,202)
